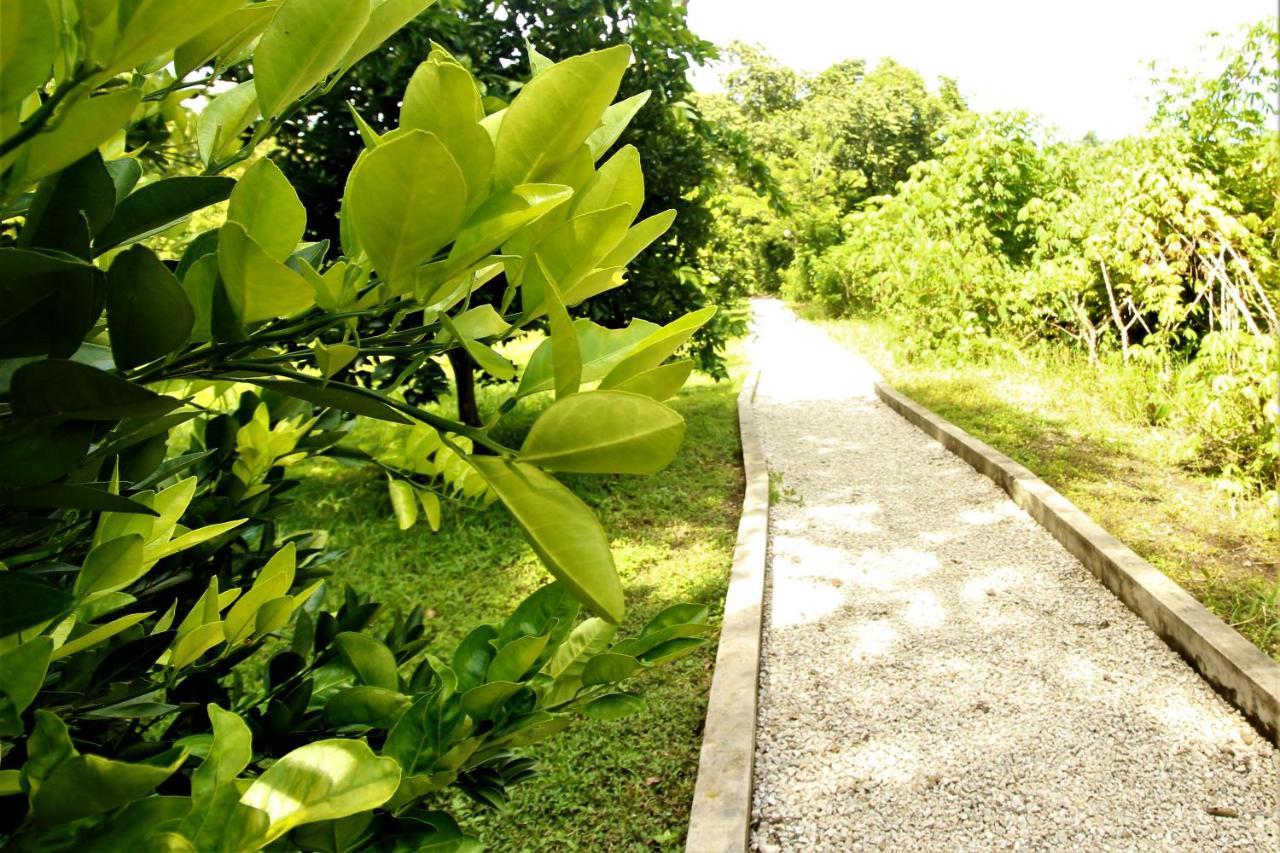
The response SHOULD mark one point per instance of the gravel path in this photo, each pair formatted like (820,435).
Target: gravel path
(939,674)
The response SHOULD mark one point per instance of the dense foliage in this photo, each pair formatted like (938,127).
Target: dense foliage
(1159,251)
(491,39)
(173,673)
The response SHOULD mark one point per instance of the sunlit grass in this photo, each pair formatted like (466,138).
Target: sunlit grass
(604,786)
(1084,431)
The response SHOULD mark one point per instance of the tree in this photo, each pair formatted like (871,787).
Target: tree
(150,406)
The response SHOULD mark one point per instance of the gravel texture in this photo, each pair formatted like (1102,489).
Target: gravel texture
(939,674)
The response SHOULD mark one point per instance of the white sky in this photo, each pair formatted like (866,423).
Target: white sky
(1079,63)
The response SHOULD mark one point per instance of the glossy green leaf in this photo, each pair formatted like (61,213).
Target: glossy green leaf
(600,350)
(366,706)
(70,207)
(149,28)
(406,199)
(442,99)
(335,396)
(657,347)
(48,746)
(370,660)
(224,118)
(430,508)
(28,44)
(76,131)
(223,37)
(98,634)
(218,821)
(638,238)
(258,286)
(673,649)
(69,389)
(566,355)
(613,706)
(48,302)
(516,658)
(614,121)
(619,181)
(161,205)
(386,17)
(585,641)
(608,668)
(333,358)
(62,496)
(148,311)
(110,566)
(571,251)
(305,41)
(550,610)
(486,701)
(604,432)
(323,780)
(229,754)
(562,531)
(425,732)
(84,785)
(471,658)
(22,671)
(403,502)
(265,204)
(554,113)
(661,382)
(192,645)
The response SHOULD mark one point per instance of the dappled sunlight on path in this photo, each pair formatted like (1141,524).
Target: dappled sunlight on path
(940,674)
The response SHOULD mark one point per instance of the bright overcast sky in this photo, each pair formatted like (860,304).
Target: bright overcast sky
(1081,64)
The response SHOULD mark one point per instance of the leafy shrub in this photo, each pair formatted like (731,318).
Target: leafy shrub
(171,673)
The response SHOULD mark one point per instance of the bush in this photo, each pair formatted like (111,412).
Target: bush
(171,671)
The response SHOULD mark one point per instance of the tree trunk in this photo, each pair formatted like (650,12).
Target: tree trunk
(464,382)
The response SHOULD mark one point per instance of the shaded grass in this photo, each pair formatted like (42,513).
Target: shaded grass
(622,785)
(1081,429)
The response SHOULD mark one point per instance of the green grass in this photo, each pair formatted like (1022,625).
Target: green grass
(1083,431)
(624,785)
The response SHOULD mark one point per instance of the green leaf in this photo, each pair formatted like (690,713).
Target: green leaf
(516,658)
(676,614)
(69,389)
(485,702)
(99,634)
(369,659)
(330,359)
(661,382)
(323,780)
(28,44)
(425,732)
(48,302)
(613,706)
(550,610)
(431,509)
(335,396)
(48,746)
(148,311)
(154,27)
(84,785)
(619,181)
(219,821)
(563,532)
(71,206)
(604,432)
(305,40)
(22,672)
(125,173)
(265,204)
(484,357)
(638,238)
(386,17)
(655,349)
(442,99)
(258,286)
(614,121)
(227,35)
(61,496)
(195,642)
(365,706)
(471,658)
(110,566)
(403,503)
(223,119)
(672,650)
(76,130)
(34,456)
(229,754)
(571,251)
(554,113)
(406,199)
(608,668)
(585,641)
(600,350)
(566,355)
(161,205)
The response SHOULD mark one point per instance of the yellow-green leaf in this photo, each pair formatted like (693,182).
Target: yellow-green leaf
(266,205)
(305,40)
(604,432)
(258,287)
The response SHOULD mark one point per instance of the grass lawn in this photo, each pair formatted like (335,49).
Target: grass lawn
(623,785)
(1081,430)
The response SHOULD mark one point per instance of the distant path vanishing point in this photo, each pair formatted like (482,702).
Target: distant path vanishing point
(940,674)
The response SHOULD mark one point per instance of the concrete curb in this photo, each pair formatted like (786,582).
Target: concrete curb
(720,820)
(1236,668)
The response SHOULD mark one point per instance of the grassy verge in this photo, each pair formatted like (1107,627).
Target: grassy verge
(625,785)
(1080,429)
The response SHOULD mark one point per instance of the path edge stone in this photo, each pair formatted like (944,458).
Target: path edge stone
(720,818)
(1237,669)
